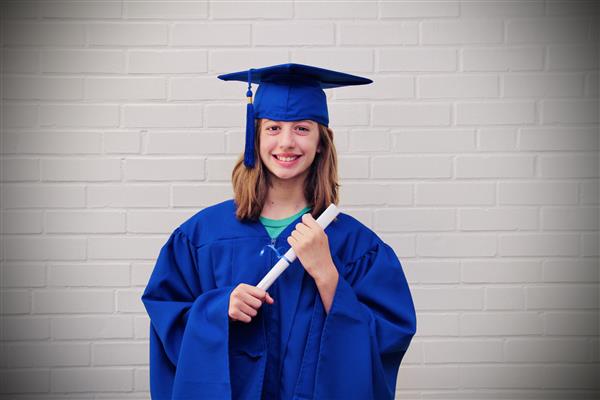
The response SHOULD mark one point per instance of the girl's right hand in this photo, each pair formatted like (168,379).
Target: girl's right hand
(245,300)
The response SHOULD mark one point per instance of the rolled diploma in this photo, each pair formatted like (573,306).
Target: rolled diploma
(324,220)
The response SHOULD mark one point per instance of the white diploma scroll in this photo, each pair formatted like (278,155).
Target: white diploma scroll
(324,220)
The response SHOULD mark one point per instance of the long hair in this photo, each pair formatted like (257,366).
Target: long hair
(250,186)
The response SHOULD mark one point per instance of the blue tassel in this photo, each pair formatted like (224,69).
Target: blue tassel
(249,148)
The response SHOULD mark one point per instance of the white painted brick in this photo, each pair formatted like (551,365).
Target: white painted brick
(592,85)
(502,59)
(125,88)
(571,323)
(378,33)
(465,31)
(161,169)
(65,170)
(167,61)
(504,298)
(52,142)
(537,193)
(369,140)
(156,221)
(130,301)
(432,271)
(415,220)
(501,377)
(499,271)
(42,196)
(590,245)
(121,142)
(460,193)
(563,7)
(589,192)
(568,296)
(351,60)
(20,10)
(547,85)
(437,324)
(19,115)
(282,9)
(349,114)
(569,111)
(47,355)
(363,193)
(166,9)
(575,377)
(142,327)
(162,116)
(141,380)
(127,34)
(403,245)
(414,353)
(224,60)
(546,350)
(538,244)
(383,87)
(128,196)
(214,34)
(20,169)
(42,88)
(417,9)
(571,218)
(22,275)
(15,302)
(548,30)
(452,351)
(430,377)
(497,139)
(119,248)
(200,195)
(501,324)
(335,10)
(92,380)
(42,33)
(293,33)
(498,219)
(105,327)
(487,9)
(20,61)
(434,141)
(205,88)
(417,60)
(571,271)
(410,114)
(572,57)
(80,10)
(457,86)
(88,275)
(125,353)
(340,139)
(25,381)
(25,328)
(219,169)
(73,301)
(140,272)
(16,222)
(82,61)
(86,115)
(549,138)
(44,248)
(433,245)
(496,112)
(495,166)
(441,298)
(195,142)
(353,167)
(84,222)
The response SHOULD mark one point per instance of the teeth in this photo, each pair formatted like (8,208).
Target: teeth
(286,158)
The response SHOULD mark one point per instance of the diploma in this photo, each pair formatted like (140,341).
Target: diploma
(324,220)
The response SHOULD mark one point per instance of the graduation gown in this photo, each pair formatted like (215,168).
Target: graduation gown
(292,348)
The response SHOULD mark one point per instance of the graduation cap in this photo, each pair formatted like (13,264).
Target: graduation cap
(288,92)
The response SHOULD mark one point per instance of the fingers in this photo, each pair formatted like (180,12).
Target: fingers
(245,300)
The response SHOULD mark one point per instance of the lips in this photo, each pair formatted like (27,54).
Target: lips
(286,157)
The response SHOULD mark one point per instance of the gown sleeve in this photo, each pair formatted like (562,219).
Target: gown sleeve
(368,328)
(189,327)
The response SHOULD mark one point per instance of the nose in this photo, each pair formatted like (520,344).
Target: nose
(286,137)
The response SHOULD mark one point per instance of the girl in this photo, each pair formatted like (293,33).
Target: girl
(334,325)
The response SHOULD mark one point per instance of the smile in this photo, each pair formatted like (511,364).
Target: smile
(286,159)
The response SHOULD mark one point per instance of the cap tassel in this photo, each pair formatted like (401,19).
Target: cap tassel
(249,148)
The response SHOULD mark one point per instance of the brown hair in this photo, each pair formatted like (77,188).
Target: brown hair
(250,186)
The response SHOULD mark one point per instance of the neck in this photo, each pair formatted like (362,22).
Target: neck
(285,198)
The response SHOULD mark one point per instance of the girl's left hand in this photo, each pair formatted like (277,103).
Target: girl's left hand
(311,245)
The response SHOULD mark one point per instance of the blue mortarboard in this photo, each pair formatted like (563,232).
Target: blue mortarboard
(288,92)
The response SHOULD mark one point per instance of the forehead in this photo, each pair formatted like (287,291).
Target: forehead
(308,121)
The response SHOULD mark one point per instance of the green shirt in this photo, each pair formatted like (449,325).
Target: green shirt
(275,226)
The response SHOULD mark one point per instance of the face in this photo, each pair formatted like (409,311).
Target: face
(288,148)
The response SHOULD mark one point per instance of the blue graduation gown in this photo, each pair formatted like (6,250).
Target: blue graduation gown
(291,349)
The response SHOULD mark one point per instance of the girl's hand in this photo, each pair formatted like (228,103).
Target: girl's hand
(244,302)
